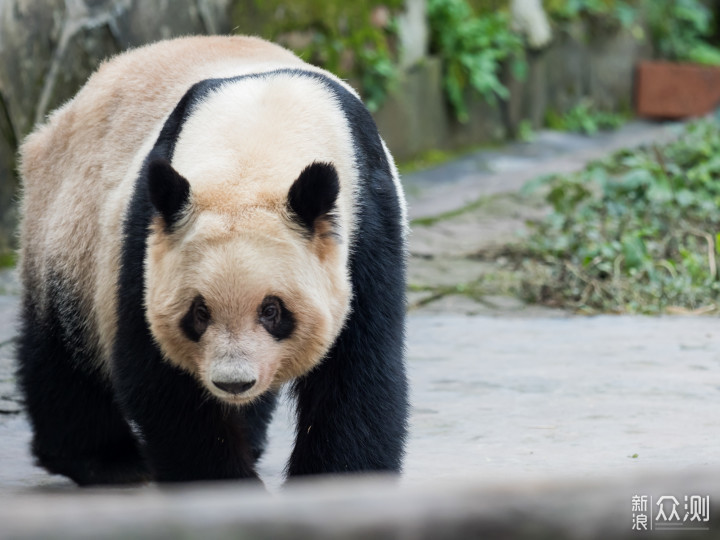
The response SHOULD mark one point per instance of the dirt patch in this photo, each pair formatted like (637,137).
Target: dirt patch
(464,262)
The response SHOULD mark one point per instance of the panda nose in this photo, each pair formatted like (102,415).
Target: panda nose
(234,387)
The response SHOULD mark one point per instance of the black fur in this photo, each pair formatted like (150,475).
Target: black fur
(193,324)
(187,434)
(169,191)
(284,326)
(78,430)
(257,419)
(312,196)
(352,409)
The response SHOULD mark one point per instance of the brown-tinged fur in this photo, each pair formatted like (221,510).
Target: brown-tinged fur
(236,245)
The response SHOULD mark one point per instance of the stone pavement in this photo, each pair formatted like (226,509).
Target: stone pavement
(507,169)
(526,422)
(505,397)
(558,421)
(482,209)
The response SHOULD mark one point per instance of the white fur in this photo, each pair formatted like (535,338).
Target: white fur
(252,139)
(241,149)
(398,189)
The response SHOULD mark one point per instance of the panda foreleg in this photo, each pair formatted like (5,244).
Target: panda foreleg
(78,430)
(351,411)
(353,408)
(187,434)
(257,419)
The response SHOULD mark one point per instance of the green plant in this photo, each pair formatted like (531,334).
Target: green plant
(378,75)
(339,36)
(8,260)
(363,55)
(525,131)
(621,11)
(679,30)
(473,49)
(585,118)
(638,232)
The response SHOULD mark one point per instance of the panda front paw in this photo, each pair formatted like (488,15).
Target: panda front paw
(100,469)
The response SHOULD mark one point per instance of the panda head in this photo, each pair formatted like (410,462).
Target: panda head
(248,298)
(246,273)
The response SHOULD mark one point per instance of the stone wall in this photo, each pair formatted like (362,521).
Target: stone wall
(581,62)
(49,47)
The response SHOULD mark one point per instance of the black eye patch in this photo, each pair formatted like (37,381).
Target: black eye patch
(196,320)
(277,319)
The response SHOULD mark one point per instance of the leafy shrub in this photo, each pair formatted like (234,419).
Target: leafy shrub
(472,48)
(679,29)
(337,35)
(620,11)
(638,232)
(585,118)
(372,65)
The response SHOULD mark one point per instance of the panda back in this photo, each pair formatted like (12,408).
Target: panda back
(78,172)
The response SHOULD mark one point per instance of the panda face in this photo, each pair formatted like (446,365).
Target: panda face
(244,308)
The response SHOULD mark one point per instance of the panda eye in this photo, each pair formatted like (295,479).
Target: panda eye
(275,317)
(271,313)
(196,320)
(202,314)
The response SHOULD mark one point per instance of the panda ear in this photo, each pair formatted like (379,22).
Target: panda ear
(313,195)
(169,191)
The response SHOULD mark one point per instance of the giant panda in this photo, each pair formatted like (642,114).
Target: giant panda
(209,219)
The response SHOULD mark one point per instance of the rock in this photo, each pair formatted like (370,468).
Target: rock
(567,68)
(48,48)
(30,33)
(145,22)
(413,33)
(529,18)
(613,55)
(8,185)
(406,132)
(485,124)
(529,96)
(81,55)
(215,16)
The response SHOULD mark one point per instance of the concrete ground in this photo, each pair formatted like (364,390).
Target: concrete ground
(526,422)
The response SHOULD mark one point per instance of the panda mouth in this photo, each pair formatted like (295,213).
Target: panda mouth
(234,388)
(233,399)
(235,395)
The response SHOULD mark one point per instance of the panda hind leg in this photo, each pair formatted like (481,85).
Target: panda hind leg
(78,430)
